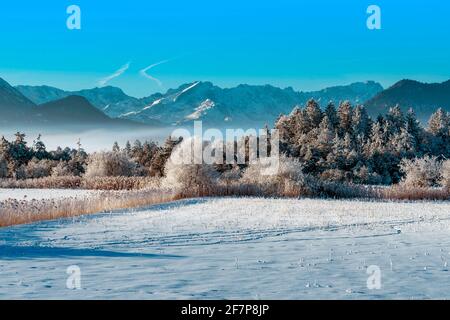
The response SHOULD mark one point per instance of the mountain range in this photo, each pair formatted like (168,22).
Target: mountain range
(240,106)
(16,110)
(244,105)
(424,98)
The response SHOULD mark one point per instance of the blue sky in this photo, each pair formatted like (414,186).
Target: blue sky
(307,44)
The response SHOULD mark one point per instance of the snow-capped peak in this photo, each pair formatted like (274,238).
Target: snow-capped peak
(153,104)
(185,90)
(201,109)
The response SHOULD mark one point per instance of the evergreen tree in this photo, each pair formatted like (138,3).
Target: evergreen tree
(345,113)
(20,152)
(161,157)
(330,112)
(325,137)
(413,128)
(395,120)
(438,124)
(128,149)
(313,113)
(116,147)
(39,149)
(360,122)
(439,127)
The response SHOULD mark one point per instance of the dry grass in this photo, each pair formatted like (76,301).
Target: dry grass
(14,212)
(70,182)
(399,192)
(333,190)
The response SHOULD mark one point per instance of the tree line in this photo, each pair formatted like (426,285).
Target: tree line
(340,144)
(344,144)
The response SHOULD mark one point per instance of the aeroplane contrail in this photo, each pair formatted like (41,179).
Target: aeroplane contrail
(116,74)
(144,73)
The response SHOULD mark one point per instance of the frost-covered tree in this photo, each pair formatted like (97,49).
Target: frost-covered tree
(446,174)
(345,114)
(35,169)
(413,127)
(128,149)
(62,169)
(421,172)
(325,137)
(313,113)
(162,155)
(360,122)
(110,164)
(330,112)
(3,167)
(116,147)
(438,124)
(439,127)
(288,178)
(395,120)
(186,171)
(39,150)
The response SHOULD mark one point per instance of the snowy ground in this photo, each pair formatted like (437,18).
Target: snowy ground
(39,194)
(235,248)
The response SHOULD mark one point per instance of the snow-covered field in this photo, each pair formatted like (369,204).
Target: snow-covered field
(40,194)
(234,248)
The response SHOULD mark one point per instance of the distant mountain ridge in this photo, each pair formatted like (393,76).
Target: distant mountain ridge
(71,111)
(13,105)
(112,100)
(240,106)
(243,105)
(424,98)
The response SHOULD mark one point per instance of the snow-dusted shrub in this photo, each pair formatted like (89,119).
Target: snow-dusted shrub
(186,171)
(35,169)
(3,167)
(421,172)
(446,174)
(62,169)
(110,164)
(232,175)
(364,175)
(288,180)
(339,190)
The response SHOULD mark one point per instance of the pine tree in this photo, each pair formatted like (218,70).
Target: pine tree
(128,149)
(413,127)
(330,112)
(377,139)
(439,127)
(39,149)
(403,143)
(20,151)
(360,122)
(163,154)
(5,148)
(116,147)
(325,137)
(395,120)
(345,113)
(313,113)
(438,124)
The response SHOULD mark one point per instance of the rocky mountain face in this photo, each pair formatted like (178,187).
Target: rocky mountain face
(244,105)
